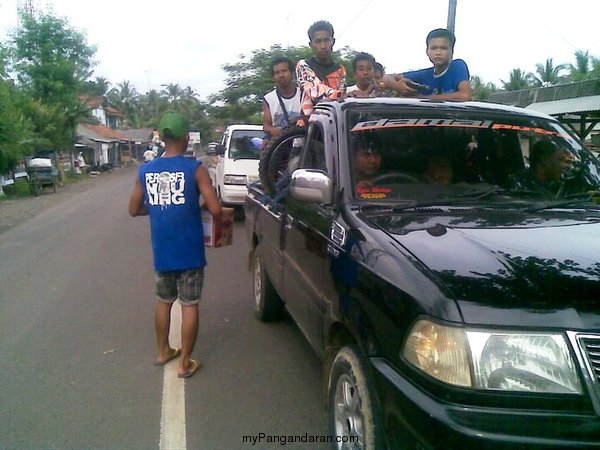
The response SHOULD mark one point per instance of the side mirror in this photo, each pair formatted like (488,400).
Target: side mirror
(309,185)
(220,149)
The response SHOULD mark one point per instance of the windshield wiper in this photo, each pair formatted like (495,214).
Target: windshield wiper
(485,193)
(571,200)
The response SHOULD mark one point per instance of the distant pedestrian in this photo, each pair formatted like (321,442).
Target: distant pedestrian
(168,189)
(149,154)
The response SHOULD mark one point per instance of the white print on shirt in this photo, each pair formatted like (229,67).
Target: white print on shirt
(165,188)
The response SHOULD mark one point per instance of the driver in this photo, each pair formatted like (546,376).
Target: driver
(548,162)
(367,163)
(547,165)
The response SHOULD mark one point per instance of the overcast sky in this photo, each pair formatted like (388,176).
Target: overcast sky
(150,43)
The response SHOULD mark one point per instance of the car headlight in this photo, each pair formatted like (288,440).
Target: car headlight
(496,360)
(240,180)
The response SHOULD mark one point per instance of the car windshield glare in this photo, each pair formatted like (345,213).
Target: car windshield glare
(442,156)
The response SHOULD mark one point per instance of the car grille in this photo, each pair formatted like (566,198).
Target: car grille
(587,347)
(591,347)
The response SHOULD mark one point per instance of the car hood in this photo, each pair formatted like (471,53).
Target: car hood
(508,268)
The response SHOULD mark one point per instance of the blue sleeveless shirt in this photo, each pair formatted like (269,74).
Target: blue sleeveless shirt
(172,198)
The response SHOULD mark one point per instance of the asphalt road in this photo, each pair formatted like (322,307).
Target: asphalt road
(77,340)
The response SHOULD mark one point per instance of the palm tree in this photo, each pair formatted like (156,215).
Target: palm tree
(518,80)
(581,70)
(124,96)
(173,92)
(595,73)
(481,90)
(548,74)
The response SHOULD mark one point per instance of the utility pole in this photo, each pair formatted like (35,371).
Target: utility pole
(451,15)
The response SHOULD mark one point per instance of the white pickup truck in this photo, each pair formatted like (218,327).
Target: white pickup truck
(237,163)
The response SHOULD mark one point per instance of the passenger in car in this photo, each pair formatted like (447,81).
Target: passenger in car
(363,66)
(439,171)
(320,77)
(448,79)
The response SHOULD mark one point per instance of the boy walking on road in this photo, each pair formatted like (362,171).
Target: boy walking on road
(168,189)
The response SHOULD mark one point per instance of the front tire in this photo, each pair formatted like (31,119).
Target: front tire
(354,415)
(268,306)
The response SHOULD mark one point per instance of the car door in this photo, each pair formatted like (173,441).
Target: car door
(306,233)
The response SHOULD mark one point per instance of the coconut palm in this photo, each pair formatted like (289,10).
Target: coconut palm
(548,74)
(518,80)
(124,97)
(172,92)
(481,90)
(581,70)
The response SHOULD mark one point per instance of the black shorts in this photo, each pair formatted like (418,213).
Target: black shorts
(185,285)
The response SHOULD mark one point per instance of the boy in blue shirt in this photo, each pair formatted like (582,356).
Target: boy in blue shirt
(448,79)
(168,189)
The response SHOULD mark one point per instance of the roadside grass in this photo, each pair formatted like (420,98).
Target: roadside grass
(20,188)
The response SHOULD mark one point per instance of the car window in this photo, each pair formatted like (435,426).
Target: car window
(401,155)
(245,144)
(314,157)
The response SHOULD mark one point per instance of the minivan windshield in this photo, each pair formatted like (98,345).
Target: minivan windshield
(449,156)
(246,144)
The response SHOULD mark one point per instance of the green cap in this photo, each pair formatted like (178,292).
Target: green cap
(173,124)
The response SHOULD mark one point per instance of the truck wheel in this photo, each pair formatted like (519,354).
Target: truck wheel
(274,160)
(268,306)
(354,414)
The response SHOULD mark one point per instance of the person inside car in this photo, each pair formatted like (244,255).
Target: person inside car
(367,164)
(439,171)
(547,165)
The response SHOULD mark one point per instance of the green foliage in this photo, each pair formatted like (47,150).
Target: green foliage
(15,129)
(481,90)
(17,190)
(518,80)
(52,62)
(548,74)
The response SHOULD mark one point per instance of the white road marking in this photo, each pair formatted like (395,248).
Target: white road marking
(172,421)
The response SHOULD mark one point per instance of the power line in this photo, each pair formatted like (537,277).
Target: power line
(356,17)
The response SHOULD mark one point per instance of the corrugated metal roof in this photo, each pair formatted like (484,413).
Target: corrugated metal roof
(568,105)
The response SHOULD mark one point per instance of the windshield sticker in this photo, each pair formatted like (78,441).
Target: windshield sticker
(462,123)
(372,192)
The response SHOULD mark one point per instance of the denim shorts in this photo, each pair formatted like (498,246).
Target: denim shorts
(185,285)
